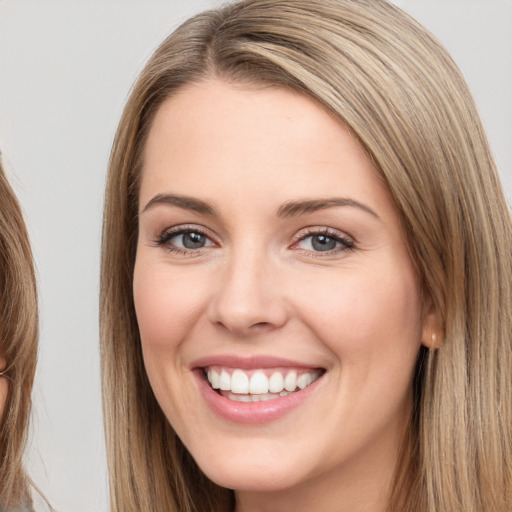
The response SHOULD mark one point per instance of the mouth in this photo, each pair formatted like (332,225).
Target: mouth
(259,385)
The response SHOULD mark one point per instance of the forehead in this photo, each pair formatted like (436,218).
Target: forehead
(233,146)
(219,112)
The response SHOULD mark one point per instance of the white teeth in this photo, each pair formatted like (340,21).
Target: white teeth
(276,383)
(214,379)
(225,381)
(290,381)
(303,380)
(239,382)
(258,384)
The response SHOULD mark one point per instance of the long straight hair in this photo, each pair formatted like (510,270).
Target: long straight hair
(401,95)
(18,345)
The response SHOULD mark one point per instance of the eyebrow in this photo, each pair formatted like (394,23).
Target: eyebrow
(185,202)
(290,209)
(294,208)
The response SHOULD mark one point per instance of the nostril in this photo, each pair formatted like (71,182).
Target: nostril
(261,324)
(241,306)
(247,328)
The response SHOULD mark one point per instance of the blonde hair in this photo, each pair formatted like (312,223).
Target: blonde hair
(401,95)
(18,342)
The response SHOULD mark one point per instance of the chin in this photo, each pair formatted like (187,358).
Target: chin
(252,480)
(260,476)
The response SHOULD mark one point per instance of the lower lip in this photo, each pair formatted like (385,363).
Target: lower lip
(255,413)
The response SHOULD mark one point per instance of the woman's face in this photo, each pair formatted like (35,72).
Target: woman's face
(270,258)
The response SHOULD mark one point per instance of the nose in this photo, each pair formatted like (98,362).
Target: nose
(248,299)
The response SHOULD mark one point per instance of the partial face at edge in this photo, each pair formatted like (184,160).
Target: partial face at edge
(267,246)
(4,386)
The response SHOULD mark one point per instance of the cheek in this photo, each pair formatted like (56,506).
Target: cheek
(366,319)
(370,322)
(167,305)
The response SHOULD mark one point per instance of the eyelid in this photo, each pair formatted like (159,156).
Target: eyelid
(347,242)
(163,238)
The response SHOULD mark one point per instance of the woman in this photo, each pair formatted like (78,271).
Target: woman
(19,334)
(306,292)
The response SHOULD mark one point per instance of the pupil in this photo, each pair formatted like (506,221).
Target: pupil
(193,240)
(323,243)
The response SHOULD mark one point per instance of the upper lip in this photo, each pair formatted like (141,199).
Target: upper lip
(248,362)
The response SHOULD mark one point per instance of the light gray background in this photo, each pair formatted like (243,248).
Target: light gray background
(65,71)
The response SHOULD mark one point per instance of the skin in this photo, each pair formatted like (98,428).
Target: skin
(4,386)
(259,287)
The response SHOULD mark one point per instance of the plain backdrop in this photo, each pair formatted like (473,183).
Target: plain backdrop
(66,68)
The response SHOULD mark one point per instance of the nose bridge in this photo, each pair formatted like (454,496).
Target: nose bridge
(246,300)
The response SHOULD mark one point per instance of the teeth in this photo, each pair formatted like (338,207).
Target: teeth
(276,383)
(239,382)
(290,381)
(254,398)
(304,380)
(225,381)
(255,384)
(259,384)
(214,379)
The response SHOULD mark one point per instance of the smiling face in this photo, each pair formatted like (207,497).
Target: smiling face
(271,266)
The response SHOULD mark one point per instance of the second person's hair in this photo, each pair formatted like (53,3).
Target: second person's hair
(18,344)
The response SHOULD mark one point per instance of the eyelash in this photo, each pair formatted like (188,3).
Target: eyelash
(346,244)
(164,238)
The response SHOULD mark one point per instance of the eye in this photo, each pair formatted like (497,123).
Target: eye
(324,241)
(190,240)
(184,239)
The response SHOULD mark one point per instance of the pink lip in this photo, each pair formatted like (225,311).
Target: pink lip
(255,413)
(247,363)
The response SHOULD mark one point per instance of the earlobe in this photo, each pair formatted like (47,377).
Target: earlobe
(432,331)
(432,340)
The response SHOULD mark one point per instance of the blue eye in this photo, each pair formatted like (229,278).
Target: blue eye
(188,239)
(324,242)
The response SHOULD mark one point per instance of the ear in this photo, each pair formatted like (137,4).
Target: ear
(432,332)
